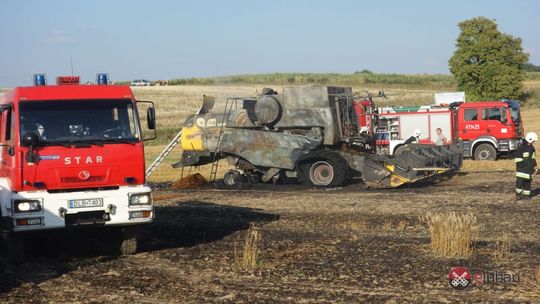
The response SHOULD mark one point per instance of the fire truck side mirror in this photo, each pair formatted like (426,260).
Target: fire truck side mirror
(30,139)
(151,118)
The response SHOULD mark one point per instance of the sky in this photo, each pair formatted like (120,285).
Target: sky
(181,39)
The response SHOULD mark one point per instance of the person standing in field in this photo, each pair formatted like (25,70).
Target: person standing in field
(525,166)
(441,139)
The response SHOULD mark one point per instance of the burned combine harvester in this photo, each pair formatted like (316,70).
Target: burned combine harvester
(318,134)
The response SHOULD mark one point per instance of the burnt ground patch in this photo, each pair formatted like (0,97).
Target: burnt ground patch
(190,223)
(345,245)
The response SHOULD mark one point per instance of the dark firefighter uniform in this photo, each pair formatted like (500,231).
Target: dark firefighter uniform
(525,165)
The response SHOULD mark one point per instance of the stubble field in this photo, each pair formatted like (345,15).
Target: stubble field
(346,245)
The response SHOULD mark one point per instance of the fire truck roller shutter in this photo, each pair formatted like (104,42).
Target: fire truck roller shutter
(442,121)
(427,122)
(410,123)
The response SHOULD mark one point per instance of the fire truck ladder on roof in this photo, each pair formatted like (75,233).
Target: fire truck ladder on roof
(168,149)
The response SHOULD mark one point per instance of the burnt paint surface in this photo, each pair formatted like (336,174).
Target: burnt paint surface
(267,149)
(238,133)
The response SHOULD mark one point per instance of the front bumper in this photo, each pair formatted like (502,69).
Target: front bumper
(57,212)
(506,145)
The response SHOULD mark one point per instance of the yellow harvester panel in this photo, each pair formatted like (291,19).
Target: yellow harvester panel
(192,139)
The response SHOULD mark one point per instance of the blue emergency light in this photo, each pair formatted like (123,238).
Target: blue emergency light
(40,80)
(102,78)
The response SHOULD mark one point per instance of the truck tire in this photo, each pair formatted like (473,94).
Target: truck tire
(323,169)
(128,240)
(485,152)
(16,249)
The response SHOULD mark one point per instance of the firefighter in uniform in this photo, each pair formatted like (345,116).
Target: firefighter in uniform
(525,165)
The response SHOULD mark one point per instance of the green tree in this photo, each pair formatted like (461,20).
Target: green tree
(487,64)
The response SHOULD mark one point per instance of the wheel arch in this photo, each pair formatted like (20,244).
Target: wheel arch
(315,155)
(485,140)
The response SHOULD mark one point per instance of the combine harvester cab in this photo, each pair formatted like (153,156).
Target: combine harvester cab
(320,135)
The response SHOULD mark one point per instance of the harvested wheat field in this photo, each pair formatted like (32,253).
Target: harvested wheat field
(346,245)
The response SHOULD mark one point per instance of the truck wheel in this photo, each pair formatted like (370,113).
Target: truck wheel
(128,240)
(321,173)
(325,169)
(16,250)
(485,152)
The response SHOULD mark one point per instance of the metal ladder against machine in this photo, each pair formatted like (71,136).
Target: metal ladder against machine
(168,149)
(215,160)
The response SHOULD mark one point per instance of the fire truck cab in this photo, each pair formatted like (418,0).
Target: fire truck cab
(488,129)
(71,156)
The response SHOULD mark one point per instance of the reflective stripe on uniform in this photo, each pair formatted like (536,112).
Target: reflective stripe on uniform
(525,154)
(518,159)
(523,175)
(526,192)
(519,191)
(534,155)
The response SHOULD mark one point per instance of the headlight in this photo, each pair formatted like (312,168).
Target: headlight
(140,199)
(22,206)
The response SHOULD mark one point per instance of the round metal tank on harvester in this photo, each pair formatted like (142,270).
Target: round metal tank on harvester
(267,110)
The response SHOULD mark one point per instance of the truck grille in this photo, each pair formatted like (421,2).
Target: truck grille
(86,218)
(73,179)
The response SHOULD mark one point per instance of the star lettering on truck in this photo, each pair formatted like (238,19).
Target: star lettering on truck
(86,160)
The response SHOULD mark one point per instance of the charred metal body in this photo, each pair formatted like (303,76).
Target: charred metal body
(308,132)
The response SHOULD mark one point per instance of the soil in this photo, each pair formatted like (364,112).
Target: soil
(342,245)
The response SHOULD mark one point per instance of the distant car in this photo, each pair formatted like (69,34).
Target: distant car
(140,82)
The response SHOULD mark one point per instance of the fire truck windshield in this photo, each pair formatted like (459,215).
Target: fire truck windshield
(514,109)
(58,122)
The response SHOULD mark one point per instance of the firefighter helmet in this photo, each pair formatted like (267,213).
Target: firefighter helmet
(417,133)
(531,137)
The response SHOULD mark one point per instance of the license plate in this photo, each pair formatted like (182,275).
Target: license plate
(85,203)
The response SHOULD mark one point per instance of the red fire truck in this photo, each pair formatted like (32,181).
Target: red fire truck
(71,156)
(485,129)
